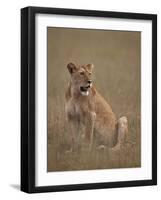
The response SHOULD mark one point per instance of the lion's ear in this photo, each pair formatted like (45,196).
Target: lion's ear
(90,67)
(71,68)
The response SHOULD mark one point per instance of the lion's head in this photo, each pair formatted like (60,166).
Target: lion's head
(81,77)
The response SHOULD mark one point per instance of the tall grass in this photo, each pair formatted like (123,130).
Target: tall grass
(116,56)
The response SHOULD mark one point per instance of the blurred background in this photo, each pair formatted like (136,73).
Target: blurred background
(116,56)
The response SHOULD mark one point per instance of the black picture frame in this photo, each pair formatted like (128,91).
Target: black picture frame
(28,98)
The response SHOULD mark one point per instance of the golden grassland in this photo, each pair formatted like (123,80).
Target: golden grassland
(116,76)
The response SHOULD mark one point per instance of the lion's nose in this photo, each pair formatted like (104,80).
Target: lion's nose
(89,81)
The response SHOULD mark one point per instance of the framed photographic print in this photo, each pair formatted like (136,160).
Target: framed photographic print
(88,99)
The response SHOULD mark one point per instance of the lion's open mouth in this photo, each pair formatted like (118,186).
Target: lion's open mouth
(84,88)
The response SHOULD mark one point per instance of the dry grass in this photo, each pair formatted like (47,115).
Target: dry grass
(59,142)
(118,80)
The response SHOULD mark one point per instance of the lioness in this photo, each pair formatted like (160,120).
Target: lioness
(86,108)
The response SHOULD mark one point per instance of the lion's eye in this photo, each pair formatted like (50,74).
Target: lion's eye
(82,73)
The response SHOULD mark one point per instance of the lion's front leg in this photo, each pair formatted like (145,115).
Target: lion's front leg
(89,128)
(75,134)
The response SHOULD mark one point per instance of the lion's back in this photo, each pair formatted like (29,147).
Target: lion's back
(105,116)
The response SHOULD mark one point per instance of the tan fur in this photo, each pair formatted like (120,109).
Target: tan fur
(85,107)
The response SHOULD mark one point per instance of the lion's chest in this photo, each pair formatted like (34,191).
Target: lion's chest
(73,110)
(76,110)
